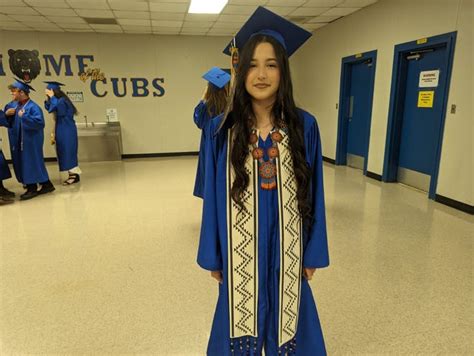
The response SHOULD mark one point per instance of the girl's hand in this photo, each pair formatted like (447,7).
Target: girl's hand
(49,93)
(217,275)
(308,273)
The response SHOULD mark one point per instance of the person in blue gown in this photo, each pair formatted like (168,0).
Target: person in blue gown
(5,194)
(212,104)
(263,231)
(25,122)
(65,130)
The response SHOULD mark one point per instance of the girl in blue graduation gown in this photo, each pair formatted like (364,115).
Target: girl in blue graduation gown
(25,122)
(263,231)
(65,133)
(211,105)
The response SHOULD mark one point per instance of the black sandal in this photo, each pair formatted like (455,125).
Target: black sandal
(73,178)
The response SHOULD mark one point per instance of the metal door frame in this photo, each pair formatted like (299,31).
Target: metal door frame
(345,85)
(396,107)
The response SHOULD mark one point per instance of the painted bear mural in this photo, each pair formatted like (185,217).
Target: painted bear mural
(25,64)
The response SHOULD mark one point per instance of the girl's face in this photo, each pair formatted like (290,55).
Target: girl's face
(263,78)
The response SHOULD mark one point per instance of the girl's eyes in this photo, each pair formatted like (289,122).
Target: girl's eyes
(270,65)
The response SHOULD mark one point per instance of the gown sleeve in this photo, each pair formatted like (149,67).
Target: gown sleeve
(316,253)
(33,118)
(201,116)
(5,120)
(209,251)
(55,104)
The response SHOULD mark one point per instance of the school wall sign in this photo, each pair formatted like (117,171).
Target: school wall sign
(27,65)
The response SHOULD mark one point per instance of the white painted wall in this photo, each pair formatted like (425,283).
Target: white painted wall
(150,124)
(317,66)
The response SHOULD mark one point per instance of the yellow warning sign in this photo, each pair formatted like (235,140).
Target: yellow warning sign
(425,99)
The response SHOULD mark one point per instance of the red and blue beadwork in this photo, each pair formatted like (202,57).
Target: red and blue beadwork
(267,169)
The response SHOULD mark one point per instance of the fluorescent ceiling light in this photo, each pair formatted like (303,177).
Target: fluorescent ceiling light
(207,6)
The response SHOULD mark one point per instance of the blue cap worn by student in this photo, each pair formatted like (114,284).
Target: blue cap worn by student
(217,77)
(21,85)
(265,22)
(53,85)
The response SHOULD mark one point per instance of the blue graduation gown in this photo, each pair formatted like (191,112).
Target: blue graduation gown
(65,133)
(4,170)
(212,253)
(26,142)
(201,119)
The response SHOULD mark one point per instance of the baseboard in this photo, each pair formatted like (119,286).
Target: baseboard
(329,160)
(374,176)
(155,155)
(455,204)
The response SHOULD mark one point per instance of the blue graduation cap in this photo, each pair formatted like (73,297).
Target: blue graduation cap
(53,85)
(265,22)
(21,85)
(217,76)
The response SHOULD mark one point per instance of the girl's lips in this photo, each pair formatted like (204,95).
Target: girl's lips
(261,86)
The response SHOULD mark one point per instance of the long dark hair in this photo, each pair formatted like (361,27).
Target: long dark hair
(58,93)
(216,99)
(284,112)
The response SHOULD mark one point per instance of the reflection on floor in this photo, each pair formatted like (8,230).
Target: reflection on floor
(108,267)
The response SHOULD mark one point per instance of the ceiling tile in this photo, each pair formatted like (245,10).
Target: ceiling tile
(166,30)
(11,3)
(313,26)
(88,4)
(228,25)
(74,26)
(56,12)
(169,7)
(128,5)
(47,3)
(134,22)
(221,32)
(201,17)
(239,10)
(136,28)
(44,26)
(323,19)
(132,32)
(356,3)
(132,14)
(281,10)
(309,11)
(341,11)
(193,33)
(166,23)
(78,30)
(30,18)
(322,3)
(167,16)
(285,2)
(9,23)
(193,24)
(108,14)
(108,31)
(17,10)
(67,19)
(106,27)
(233,18)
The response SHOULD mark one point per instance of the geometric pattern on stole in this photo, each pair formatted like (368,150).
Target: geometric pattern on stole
(290,244)
(242,238)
